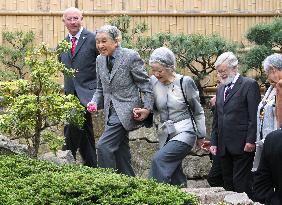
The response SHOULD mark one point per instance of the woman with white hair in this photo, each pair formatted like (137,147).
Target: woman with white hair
(268,115)
(181,116)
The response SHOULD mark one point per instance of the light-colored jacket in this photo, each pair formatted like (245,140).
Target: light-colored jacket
(266,124)
(170,104)
(123,86)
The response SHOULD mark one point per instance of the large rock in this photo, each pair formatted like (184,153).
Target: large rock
(61,157)
(216,195)
(196,167)
(197,183)
(8,146)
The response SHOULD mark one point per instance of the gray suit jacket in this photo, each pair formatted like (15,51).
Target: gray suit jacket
(122,86)
(84,61)
(235,122)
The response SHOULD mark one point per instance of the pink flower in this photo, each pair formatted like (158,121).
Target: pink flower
(91,107)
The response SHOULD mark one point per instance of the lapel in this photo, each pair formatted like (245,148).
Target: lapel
(69,52)
(118,60)
(104,69)
(235,88)
(81,41)
(220,97)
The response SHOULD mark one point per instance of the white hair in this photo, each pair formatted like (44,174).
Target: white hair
(274,60)
(227,58)
(112,31)
(164,56)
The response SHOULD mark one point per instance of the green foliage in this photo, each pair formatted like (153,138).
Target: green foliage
(25,181)
(195,52)
(128,35)
(253,61)
(267,38)
(260,34)
(34,105)
(12,54)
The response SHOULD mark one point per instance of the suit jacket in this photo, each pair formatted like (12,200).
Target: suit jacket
(84,61)
(123,86)
(268,177)
(234,122)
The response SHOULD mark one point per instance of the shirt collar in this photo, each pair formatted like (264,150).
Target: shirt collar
(77,35)
(115,53)
(235,78)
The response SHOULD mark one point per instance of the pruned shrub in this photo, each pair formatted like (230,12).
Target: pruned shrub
(27,181)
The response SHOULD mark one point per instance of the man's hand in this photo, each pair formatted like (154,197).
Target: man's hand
(140,114)
(249,147)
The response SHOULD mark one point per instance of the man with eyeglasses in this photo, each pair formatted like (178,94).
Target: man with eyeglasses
(235,124)
(82,57)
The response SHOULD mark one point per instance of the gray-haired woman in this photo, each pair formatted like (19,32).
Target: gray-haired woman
(267,110)
(177,134)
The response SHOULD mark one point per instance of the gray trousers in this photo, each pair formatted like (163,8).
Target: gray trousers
(166,165)
(113,147)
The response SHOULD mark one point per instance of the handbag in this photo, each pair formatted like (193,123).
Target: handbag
(188,106)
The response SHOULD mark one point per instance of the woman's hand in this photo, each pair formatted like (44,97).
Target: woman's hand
(91,107)
(140,114)
(206,145)
(200,142)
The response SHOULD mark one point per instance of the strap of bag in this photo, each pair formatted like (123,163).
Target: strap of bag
(188,106)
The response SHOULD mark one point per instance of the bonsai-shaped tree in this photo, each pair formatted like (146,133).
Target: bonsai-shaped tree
(129,35)
(195,52)
(34,106)
(12,54)
(266,39)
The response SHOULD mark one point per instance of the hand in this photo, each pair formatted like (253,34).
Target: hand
(212,101)
(249,147)
(91,107)
(213,150)
(200,142)
(140,114)
(206,145)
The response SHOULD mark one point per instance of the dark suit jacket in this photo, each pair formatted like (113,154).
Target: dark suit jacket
(235,122)
(269,174)
(84,61)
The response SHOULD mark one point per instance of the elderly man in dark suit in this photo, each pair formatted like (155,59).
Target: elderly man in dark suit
(120,79)
(82,57)
(234,124)
(268,178)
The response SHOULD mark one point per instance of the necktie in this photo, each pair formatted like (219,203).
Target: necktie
(227,91)
(73,45)
(110,63)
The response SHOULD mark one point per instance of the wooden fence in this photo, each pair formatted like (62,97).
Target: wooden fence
(229,18)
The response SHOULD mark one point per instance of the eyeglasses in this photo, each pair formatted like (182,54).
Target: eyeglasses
(70,19)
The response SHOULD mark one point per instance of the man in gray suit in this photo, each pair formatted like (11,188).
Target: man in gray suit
(82,57)
(120,79)
(234,124)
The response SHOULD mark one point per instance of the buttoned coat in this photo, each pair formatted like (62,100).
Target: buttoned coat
(84,61)
(123,86)
(235,122)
